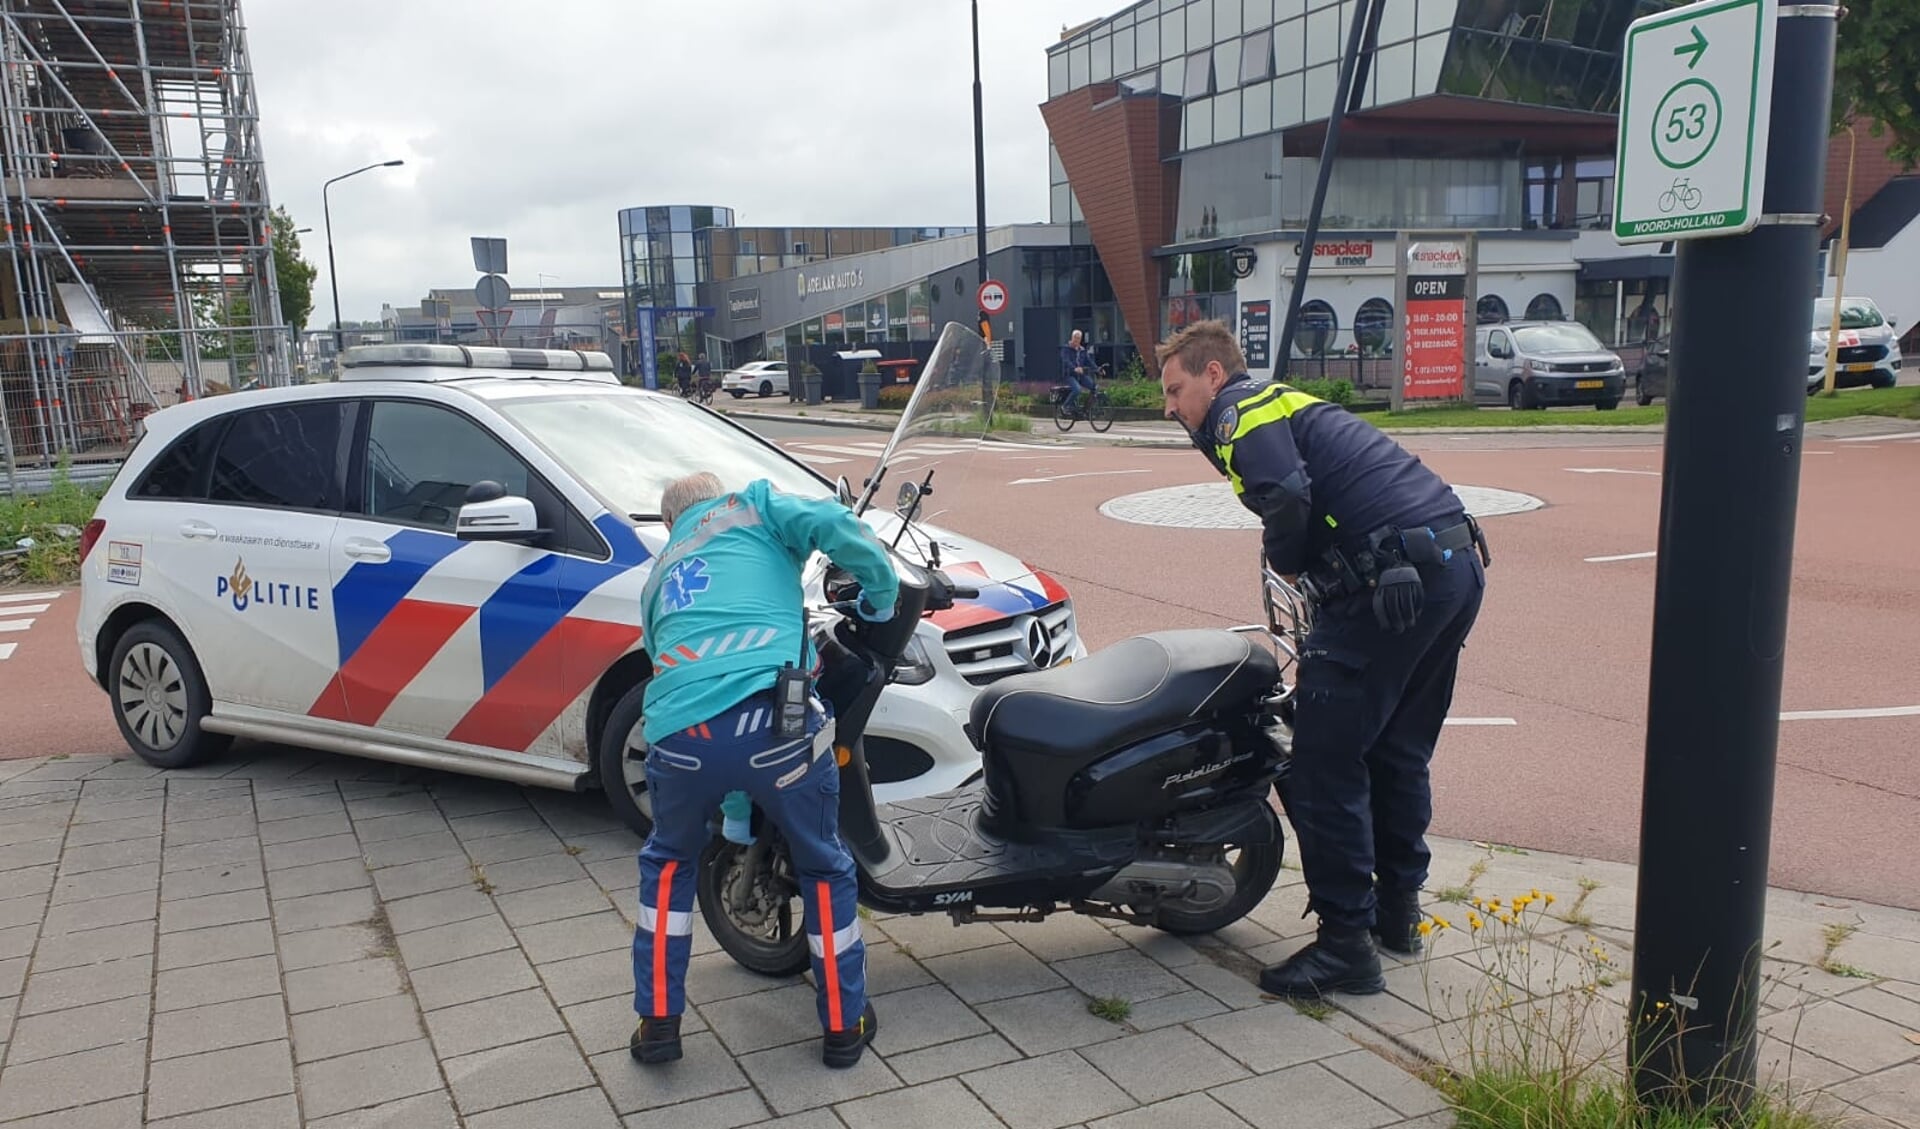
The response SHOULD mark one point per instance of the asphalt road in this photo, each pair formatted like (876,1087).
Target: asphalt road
(1553,685)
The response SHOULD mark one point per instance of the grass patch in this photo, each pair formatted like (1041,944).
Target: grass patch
(1518,1100)
(480,881)
(1895,403)
(54,559)
(1113,1009)
(1577,913)
(1457,895)
(1313,1009)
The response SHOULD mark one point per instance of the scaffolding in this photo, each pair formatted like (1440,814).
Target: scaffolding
(137,221)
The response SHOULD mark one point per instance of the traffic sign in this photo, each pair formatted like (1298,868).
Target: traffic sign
(992,296)
(1691,161)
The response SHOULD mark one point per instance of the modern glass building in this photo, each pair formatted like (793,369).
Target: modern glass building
(1180,128)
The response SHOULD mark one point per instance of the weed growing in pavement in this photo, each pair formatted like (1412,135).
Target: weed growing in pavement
(1531,1038)
(1314,1009)
(1113,1009)
(1836,935)
(480,882)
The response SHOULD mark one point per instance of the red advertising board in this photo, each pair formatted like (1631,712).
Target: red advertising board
(1435,351)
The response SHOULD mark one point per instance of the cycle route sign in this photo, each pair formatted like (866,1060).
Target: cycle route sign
(1694,108)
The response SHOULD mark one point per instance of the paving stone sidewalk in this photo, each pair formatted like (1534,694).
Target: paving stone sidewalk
(293,939)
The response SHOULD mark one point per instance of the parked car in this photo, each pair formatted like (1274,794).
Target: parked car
(762,378)
(1869,348)
(438,561)
(1539,364)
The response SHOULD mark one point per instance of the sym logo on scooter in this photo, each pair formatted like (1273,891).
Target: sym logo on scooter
(953,898)
(1203,770)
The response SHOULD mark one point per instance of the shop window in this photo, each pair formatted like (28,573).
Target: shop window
(1317,328)
(1373,327)
(1544,307)
(1492,309)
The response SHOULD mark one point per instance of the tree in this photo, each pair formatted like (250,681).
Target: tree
(1876,74)
(296,275)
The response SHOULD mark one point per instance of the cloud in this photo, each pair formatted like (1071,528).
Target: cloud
(538,123)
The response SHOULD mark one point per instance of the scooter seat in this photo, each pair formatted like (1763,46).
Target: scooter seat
(1134,689)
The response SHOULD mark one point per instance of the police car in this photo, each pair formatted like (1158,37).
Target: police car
(438,560)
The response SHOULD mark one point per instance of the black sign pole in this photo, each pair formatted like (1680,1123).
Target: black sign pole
(1742,310)
(1364,19)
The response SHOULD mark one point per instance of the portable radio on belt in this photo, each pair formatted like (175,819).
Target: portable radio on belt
(793,691)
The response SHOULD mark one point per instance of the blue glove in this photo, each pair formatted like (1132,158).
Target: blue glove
(736,823)
(871,614)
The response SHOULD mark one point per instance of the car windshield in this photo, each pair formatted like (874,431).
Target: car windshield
(627,447)
(1564,337)
(1855,313)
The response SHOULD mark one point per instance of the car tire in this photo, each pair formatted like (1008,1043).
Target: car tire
(622,778)
(766,389)
(1882,381)
(159,696)
(737,393)
(1517,397)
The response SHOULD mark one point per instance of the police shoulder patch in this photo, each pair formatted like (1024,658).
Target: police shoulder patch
(1224,426)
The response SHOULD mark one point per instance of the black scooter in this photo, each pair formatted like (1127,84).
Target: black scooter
(1131,785)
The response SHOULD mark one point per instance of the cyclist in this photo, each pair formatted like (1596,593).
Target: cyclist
(1076,364)
(703,378)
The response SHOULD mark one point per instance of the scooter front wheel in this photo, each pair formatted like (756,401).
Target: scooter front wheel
(751,903)
(1256,867)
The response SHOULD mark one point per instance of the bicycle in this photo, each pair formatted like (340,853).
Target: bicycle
(1095,407)
(1681,194)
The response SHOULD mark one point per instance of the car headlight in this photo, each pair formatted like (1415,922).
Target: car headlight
(915,667)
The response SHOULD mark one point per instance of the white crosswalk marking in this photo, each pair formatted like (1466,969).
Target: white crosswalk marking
(15,624)
(6,650)
(24,609)
(27,597)
(27,604)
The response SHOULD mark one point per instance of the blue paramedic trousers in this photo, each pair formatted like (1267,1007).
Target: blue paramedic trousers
(1367,714)
(796,784)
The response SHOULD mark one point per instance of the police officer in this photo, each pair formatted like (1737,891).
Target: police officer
(723,616)
(1396,571)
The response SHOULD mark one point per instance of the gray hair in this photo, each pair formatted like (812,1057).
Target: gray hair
(691,490)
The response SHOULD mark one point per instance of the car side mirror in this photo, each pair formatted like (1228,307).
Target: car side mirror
(492,514)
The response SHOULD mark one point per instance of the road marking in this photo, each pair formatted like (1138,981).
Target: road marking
(1611,470)
(15,624)
(1879,438)
(822,460)
(1076,474)
(28,597)
(1621,557)
(26,609)
(832,450)
(1480,721)
(1844,715)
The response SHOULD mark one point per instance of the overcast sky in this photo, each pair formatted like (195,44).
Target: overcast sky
(538,122)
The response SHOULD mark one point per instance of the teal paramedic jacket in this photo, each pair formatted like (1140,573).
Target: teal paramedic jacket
(722,608)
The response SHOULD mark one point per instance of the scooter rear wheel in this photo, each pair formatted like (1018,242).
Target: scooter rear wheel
(768,935)
(1254,872)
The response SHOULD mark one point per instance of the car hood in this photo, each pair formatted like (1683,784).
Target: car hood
(1008,585)
(1872,335)
(1574,356)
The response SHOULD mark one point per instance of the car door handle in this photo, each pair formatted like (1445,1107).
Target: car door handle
(198,531)
(366,549)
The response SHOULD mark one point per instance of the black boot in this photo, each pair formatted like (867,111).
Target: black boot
(841,1049)
(1339,960)
(1396,921)
(656,1040)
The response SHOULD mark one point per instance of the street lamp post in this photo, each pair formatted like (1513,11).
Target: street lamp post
(333,277)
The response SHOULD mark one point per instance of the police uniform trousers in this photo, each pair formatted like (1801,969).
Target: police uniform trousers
(1367,714)
(796,784)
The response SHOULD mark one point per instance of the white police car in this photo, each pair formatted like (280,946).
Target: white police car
(438,561)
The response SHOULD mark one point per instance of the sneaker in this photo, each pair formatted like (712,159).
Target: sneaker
(841,1049)
(656,1040)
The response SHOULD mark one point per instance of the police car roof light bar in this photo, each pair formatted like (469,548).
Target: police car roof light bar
(464,358)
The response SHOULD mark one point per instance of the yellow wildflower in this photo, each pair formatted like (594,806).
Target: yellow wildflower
(1442,922)
(1547,898)
(1473,919)
(1426,928)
